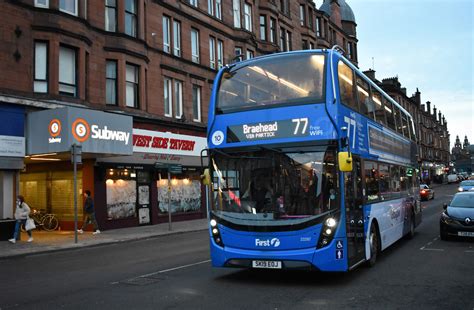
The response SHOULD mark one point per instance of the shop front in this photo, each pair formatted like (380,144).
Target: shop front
(162,175)
(12,153)
(47,182)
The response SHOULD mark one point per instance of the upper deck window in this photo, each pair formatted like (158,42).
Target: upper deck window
(283,80)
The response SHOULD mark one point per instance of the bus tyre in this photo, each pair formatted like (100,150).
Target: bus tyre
(374,245)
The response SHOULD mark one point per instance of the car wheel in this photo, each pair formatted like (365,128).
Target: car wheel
(374,245)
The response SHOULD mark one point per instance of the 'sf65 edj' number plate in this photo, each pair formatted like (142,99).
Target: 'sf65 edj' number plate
(271,264)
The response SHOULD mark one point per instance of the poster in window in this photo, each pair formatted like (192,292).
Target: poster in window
(121,199)
(143,194)
(185,197)
(144,215)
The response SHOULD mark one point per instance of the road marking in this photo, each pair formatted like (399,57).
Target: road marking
(430,249)
(175,268)
(163,271)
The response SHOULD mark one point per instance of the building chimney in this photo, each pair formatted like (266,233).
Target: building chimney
(417,97)
(404,90)
(428,107)
(439,117)
(370,74)
(434,112)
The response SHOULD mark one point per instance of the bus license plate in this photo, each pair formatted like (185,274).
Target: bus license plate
(465,234)
(271,264)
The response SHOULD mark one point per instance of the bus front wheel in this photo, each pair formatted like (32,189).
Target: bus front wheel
(374,245)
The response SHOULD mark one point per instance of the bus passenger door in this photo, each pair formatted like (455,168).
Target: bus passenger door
(354,213)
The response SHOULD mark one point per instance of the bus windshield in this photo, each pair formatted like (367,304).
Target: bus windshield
(270,187)
(280,80)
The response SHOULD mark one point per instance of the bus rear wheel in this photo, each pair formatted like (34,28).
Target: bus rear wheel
(374,245)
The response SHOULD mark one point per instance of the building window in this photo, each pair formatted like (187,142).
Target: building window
(302,15)
(195,45)
(273,34)
(318,27)
(236,10)
(310,19)
(176,38)
(284,6)
(166,35)
(349,50)
(68,6)
(168,97)
(238,53)
(193,2)
(42,3)
(178,98)
(218,9)
(289,41)
(67,71)
(131,17)
(220,54)
(304,45)
(311,45)
(248,17)
(212,52)
(249,54)
(110,15)
(210,7)
(132,83)
(196,103)
(111,82)
(263,27)
(41,67)
(283,45)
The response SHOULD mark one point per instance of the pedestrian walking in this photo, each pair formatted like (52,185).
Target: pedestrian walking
(22,212)
(89,214)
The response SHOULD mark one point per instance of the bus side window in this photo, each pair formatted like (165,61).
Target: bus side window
(395,186)
(346,86)
(363,96)
(406,130)
(390,117)
(371,182)
(379,107)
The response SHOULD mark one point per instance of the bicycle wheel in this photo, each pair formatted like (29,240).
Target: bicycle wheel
(50,222)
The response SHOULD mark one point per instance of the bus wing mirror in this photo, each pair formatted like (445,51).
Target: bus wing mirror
(206,177)
(345,162)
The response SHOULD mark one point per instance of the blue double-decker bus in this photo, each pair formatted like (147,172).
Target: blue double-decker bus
(311,165)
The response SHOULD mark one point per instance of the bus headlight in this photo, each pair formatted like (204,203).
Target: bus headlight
(331,222)
(460,189)
(216,235)
(327,232)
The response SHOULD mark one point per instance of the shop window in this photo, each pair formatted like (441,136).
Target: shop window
(52,192)
(185,193)
(121,186)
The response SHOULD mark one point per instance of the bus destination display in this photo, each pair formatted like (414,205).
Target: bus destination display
(288,128)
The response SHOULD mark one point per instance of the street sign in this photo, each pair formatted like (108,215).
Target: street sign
(173,169)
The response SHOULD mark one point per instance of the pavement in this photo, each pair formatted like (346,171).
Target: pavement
(46,242)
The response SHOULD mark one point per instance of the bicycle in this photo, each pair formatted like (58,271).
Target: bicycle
(43,220)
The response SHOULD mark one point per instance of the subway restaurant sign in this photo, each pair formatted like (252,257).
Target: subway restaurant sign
(98,132)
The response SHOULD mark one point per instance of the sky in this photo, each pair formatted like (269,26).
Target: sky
(429,45)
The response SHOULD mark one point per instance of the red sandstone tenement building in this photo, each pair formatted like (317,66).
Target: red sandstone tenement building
(150,65)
